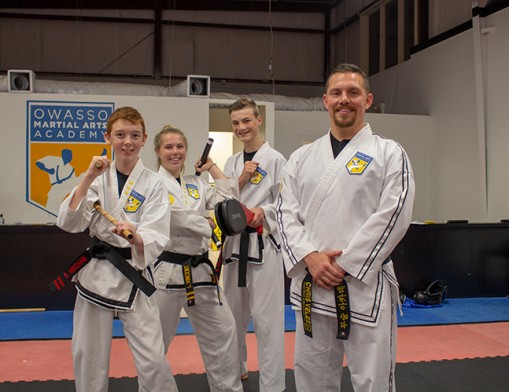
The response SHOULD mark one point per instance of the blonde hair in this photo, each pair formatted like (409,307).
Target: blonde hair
(168,129)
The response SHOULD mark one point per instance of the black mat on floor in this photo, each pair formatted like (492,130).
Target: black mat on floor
(468,375)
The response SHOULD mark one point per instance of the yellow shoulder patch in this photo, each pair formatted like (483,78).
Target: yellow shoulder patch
(258,176)
(358,163)
(134,201)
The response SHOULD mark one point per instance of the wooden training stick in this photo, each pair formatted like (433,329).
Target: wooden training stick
(101,210)
(98,164)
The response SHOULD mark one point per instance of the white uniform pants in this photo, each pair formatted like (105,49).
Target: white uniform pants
(91,344)
(370,352)
(214,327)
(262,300)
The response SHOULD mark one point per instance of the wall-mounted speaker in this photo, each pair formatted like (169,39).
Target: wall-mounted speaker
(198,86)
(21,81)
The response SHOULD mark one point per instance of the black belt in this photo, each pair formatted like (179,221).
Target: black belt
(188,261)
(181,259)
(342,306)
(116,256)
(65,277)
(244,253)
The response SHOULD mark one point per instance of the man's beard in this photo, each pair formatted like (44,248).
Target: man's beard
(344,122)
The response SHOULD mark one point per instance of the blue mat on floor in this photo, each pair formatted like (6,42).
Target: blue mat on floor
(458,311)
(58,324)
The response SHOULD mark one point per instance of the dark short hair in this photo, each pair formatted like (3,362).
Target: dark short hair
(346,67)
(244,103)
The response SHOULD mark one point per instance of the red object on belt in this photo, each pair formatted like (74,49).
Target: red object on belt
(250,217)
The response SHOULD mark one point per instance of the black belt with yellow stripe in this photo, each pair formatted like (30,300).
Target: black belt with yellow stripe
(342,306)
(187,262)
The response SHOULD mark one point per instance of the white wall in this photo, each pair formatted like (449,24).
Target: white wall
(463,87)
(496,46)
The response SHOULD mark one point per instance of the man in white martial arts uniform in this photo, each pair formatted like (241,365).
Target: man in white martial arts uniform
(345,203)
(111,284)
(184,275)
(253,270)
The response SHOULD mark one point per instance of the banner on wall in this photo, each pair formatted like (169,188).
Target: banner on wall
(62,138)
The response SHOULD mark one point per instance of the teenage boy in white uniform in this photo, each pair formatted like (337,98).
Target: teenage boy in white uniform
(137,199)
(254,282)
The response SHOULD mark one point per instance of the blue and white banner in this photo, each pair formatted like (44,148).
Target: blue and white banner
(62,138)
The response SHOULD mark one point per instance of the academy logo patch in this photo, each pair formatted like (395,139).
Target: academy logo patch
(134,201)
(258,176)
(62,138)
(171,199)
(192,190)
(358,163)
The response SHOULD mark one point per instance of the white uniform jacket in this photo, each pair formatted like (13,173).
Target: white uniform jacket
(190,231)
(261,191)
(144,202)
(360,202)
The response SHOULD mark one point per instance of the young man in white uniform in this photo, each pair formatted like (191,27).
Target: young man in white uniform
(254,283)
(137,199)
(345,203)
(184,275)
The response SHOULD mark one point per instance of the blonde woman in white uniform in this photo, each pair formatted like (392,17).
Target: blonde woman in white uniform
(184,274)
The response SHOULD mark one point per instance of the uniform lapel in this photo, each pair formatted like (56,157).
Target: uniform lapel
(332,170)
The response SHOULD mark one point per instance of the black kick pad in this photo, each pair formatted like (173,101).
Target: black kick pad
(230,217)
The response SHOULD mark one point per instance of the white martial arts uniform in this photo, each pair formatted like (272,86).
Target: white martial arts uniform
(212,321)
(103,291)
(360,202)
(263,297)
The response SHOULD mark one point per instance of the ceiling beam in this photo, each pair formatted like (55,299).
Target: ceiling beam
(307,6)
